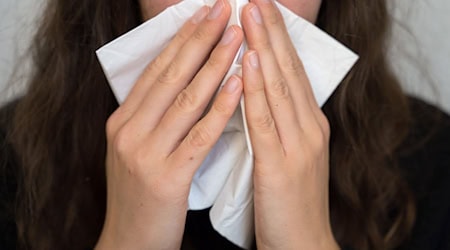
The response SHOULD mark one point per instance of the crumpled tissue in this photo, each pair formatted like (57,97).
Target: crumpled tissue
(224,180)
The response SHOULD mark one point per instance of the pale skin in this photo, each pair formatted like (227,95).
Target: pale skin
(158,137)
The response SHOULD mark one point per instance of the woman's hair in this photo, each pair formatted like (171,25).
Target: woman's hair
(58,129)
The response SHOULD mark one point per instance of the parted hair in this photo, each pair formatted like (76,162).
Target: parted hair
(58,128)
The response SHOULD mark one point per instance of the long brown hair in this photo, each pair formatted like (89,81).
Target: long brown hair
(58,128)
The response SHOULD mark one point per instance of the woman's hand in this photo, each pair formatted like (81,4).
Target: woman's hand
(156,141)
(290,138)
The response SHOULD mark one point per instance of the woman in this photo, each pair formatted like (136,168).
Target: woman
(364,187)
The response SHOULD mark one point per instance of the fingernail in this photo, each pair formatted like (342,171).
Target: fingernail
(216,10)
(200,15)
(256,15)
(232,85)
(253,60)
(229,35)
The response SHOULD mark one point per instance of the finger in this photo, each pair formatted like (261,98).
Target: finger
(196,145)
(192,101)
(261,125)
(139,90)
(277,90)
(286,55)
(176,76)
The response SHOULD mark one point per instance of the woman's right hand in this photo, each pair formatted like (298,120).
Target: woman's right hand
(156,141)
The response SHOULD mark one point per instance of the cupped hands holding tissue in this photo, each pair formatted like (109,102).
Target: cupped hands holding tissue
(160,135)
(222,131)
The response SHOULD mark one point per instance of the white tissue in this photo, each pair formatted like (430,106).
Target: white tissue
(224,181)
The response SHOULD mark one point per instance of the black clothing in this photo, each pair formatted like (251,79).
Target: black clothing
(426,168)
(8,183)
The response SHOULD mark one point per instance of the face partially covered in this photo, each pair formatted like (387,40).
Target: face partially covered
(308,9)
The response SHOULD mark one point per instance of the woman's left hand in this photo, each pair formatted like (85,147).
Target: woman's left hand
(290,138)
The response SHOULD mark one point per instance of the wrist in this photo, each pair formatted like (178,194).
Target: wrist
(294,242)
(161,234)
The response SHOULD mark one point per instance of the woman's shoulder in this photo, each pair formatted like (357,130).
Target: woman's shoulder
(426,147)
(7,161)
(6,116)
(8,179)
(7,156)
(425,162)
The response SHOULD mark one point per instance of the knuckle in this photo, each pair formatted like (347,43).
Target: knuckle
(263,45)
(318,140)
(273,18)
(186,101)
(111,126)
(325,125)
(201,35)
(122,142)
(140,160)
(264,123)
(170,74)
(134,160)
(279,88)
(222,108)
(181,36)
(214,63)
(199,137)
(115,121)
(156,65)
(292,63)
